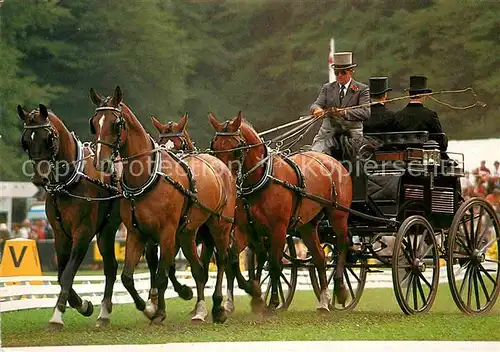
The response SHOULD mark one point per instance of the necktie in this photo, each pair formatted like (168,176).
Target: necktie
(341,93)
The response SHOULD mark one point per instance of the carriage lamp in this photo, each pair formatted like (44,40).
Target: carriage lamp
(432,154)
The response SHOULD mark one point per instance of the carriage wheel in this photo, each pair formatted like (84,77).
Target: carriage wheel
(288,277)
(354,277)
(473,264)
(415,265)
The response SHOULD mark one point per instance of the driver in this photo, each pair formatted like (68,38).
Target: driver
(345,92)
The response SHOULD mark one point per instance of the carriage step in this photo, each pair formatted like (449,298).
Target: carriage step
(374,271)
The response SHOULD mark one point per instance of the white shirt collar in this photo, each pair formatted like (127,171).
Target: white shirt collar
(346,85)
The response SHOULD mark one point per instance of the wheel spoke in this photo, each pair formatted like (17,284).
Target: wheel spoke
(421,290)
(331,277)
(415,239)
(478,227)
(490,242)
(408,288)
(349,284)
(415,293)
(265,278)
(425,280)
(476,290)
(353,274)
(471,229)
(282,294)
(485,290)
(492,261)
(481,267)
(463,245)
(469,286)
(485,230)
(464,280)
(285,279)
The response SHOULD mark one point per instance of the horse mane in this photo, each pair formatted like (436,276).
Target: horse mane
(138,123)
(188,140)
(249,131)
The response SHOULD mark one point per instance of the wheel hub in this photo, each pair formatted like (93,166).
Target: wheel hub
(419,265)
(478,256)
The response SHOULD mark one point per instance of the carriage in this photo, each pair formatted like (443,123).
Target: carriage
(408,214)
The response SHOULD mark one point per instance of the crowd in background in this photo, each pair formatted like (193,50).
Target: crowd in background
(483,182)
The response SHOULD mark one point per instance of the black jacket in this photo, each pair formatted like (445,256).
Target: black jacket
(381,120)
(416,117)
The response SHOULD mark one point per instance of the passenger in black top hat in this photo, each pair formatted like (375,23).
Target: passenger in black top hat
(416,117)
(381,119)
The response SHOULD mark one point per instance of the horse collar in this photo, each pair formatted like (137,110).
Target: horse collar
(132,192)
(245,191)
(77,171)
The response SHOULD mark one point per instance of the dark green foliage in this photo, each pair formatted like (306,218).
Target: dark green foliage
(267,58)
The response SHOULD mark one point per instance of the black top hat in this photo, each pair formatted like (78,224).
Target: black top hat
(379,85)
(418,85)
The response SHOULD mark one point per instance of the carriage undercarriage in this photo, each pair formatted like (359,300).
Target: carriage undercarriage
(425,228)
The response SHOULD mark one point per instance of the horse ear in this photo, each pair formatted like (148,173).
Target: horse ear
(157,124)
(237,121)
(22,114)
(118,96)
(183,122)
(95,98)
(213,121)
(43,111)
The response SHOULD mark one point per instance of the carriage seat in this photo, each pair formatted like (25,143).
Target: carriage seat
(400,140)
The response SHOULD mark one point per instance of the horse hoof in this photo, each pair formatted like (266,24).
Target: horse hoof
(53,326)
(197,320)
(186,293)
(322,310)
(90,310)
(102,323)
(219,315)
(158,320)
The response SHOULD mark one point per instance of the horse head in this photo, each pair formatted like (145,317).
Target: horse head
(108,124)
(40,139)
(174,134)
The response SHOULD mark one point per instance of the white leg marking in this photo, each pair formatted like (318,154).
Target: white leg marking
(103,314)
(201,311)
(229,304)
(324,301)
(57,317)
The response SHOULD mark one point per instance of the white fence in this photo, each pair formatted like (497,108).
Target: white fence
(41,291)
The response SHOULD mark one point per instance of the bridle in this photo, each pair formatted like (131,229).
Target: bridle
(180,135)
(53,138)
(119,126)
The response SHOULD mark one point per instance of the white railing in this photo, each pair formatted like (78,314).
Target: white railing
(29,292)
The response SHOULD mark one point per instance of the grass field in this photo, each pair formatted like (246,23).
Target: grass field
(376,318)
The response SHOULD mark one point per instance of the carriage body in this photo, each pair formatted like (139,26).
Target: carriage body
(402,192)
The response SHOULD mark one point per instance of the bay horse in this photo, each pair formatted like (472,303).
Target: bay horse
(276,194)
(63,166)
(165,200)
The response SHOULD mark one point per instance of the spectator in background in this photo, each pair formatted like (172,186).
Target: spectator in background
(481,190)
(25,230)
(39,230)
(16,228)
(495,175)
(4,236)
(466,185)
